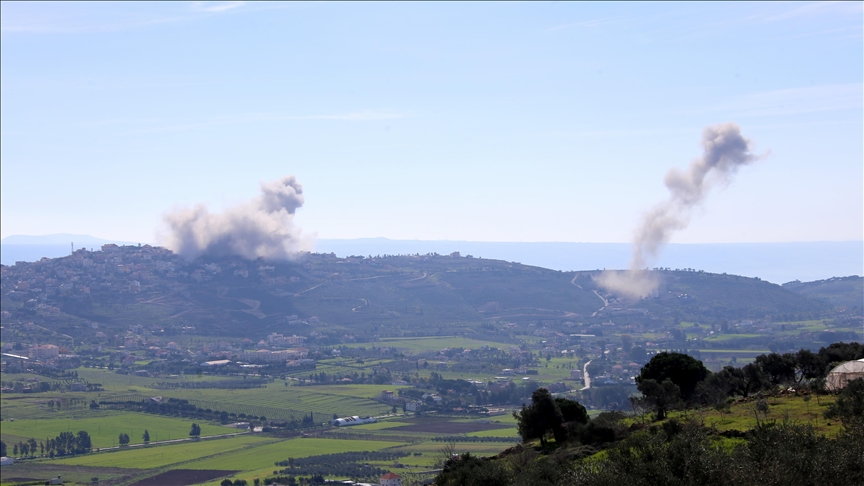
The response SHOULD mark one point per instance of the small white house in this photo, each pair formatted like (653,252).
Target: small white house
(6,461)
(390,479)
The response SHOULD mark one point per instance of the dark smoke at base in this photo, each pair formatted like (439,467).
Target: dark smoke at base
(261,228)
(725,150)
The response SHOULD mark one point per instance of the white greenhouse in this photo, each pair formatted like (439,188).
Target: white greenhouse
(841,375)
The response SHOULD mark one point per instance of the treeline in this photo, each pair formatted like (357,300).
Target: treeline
(672,380)
(465,438)
(220,384)
(23,386)
(345,464)
(184,408)
(64,444)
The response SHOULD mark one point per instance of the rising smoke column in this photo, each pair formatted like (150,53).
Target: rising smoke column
(725,150)
(263,227)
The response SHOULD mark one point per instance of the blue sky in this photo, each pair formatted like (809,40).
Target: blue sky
(471,121)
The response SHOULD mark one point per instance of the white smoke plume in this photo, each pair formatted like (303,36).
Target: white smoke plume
(261,228)
(725,150)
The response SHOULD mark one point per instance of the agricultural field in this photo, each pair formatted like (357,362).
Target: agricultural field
(426,344)
(157,456)
(42,470)
(105,427)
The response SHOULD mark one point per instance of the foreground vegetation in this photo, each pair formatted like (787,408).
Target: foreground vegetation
(613,449)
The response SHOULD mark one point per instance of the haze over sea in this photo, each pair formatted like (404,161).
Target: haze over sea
(774,262)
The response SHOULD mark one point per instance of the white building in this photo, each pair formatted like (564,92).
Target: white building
(44,352)
(355,420)
(413,406)
(390,479)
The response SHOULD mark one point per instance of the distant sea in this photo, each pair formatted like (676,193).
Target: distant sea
(774,262)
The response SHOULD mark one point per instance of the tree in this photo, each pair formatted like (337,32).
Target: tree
(752,379)
(660,396)
(572,411)
(808,366)
(146,437)
(682,370)
(84,444)
(638,354)
(195,431)
(849,407)
(780,368)
(124,439)
(2,448)
(542,417)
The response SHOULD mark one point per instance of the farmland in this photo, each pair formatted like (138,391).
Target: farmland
(165,455)
(457,344)
(104,428)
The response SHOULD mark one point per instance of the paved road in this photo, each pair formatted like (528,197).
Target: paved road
(585,374)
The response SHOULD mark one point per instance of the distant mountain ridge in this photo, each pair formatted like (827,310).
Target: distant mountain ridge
(774,262)
(367,298)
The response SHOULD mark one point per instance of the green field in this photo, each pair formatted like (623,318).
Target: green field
(741,416)
(164,455)
(105,427)
(425,344)
(259,462)
(268,454)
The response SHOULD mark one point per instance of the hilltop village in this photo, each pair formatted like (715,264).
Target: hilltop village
(144,310)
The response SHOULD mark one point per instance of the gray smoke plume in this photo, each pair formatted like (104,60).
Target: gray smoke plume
(725,150)
(263,227)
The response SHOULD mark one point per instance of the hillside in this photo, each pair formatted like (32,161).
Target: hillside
(845,292)
(356,297)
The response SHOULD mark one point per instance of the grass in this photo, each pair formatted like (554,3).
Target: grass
(389,424)
(729,337)
(741,416)
(43,470)
(260,461)
(105,427)
(426,344)
(267,455)
(164,455)
(497,433)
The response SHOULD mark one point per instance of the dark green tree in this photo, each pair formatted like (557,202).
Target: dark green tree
(753,379)
(849,407)
(682,370)
(808,366)
(780,368)
(124,439)
(195,431)
(146,437)
(661,397)
(572,411)
(541,418)
(468,470)
(82,442)
(2,448)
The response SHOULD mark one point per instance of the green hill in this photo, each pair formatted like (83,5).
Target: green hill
(845,292)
